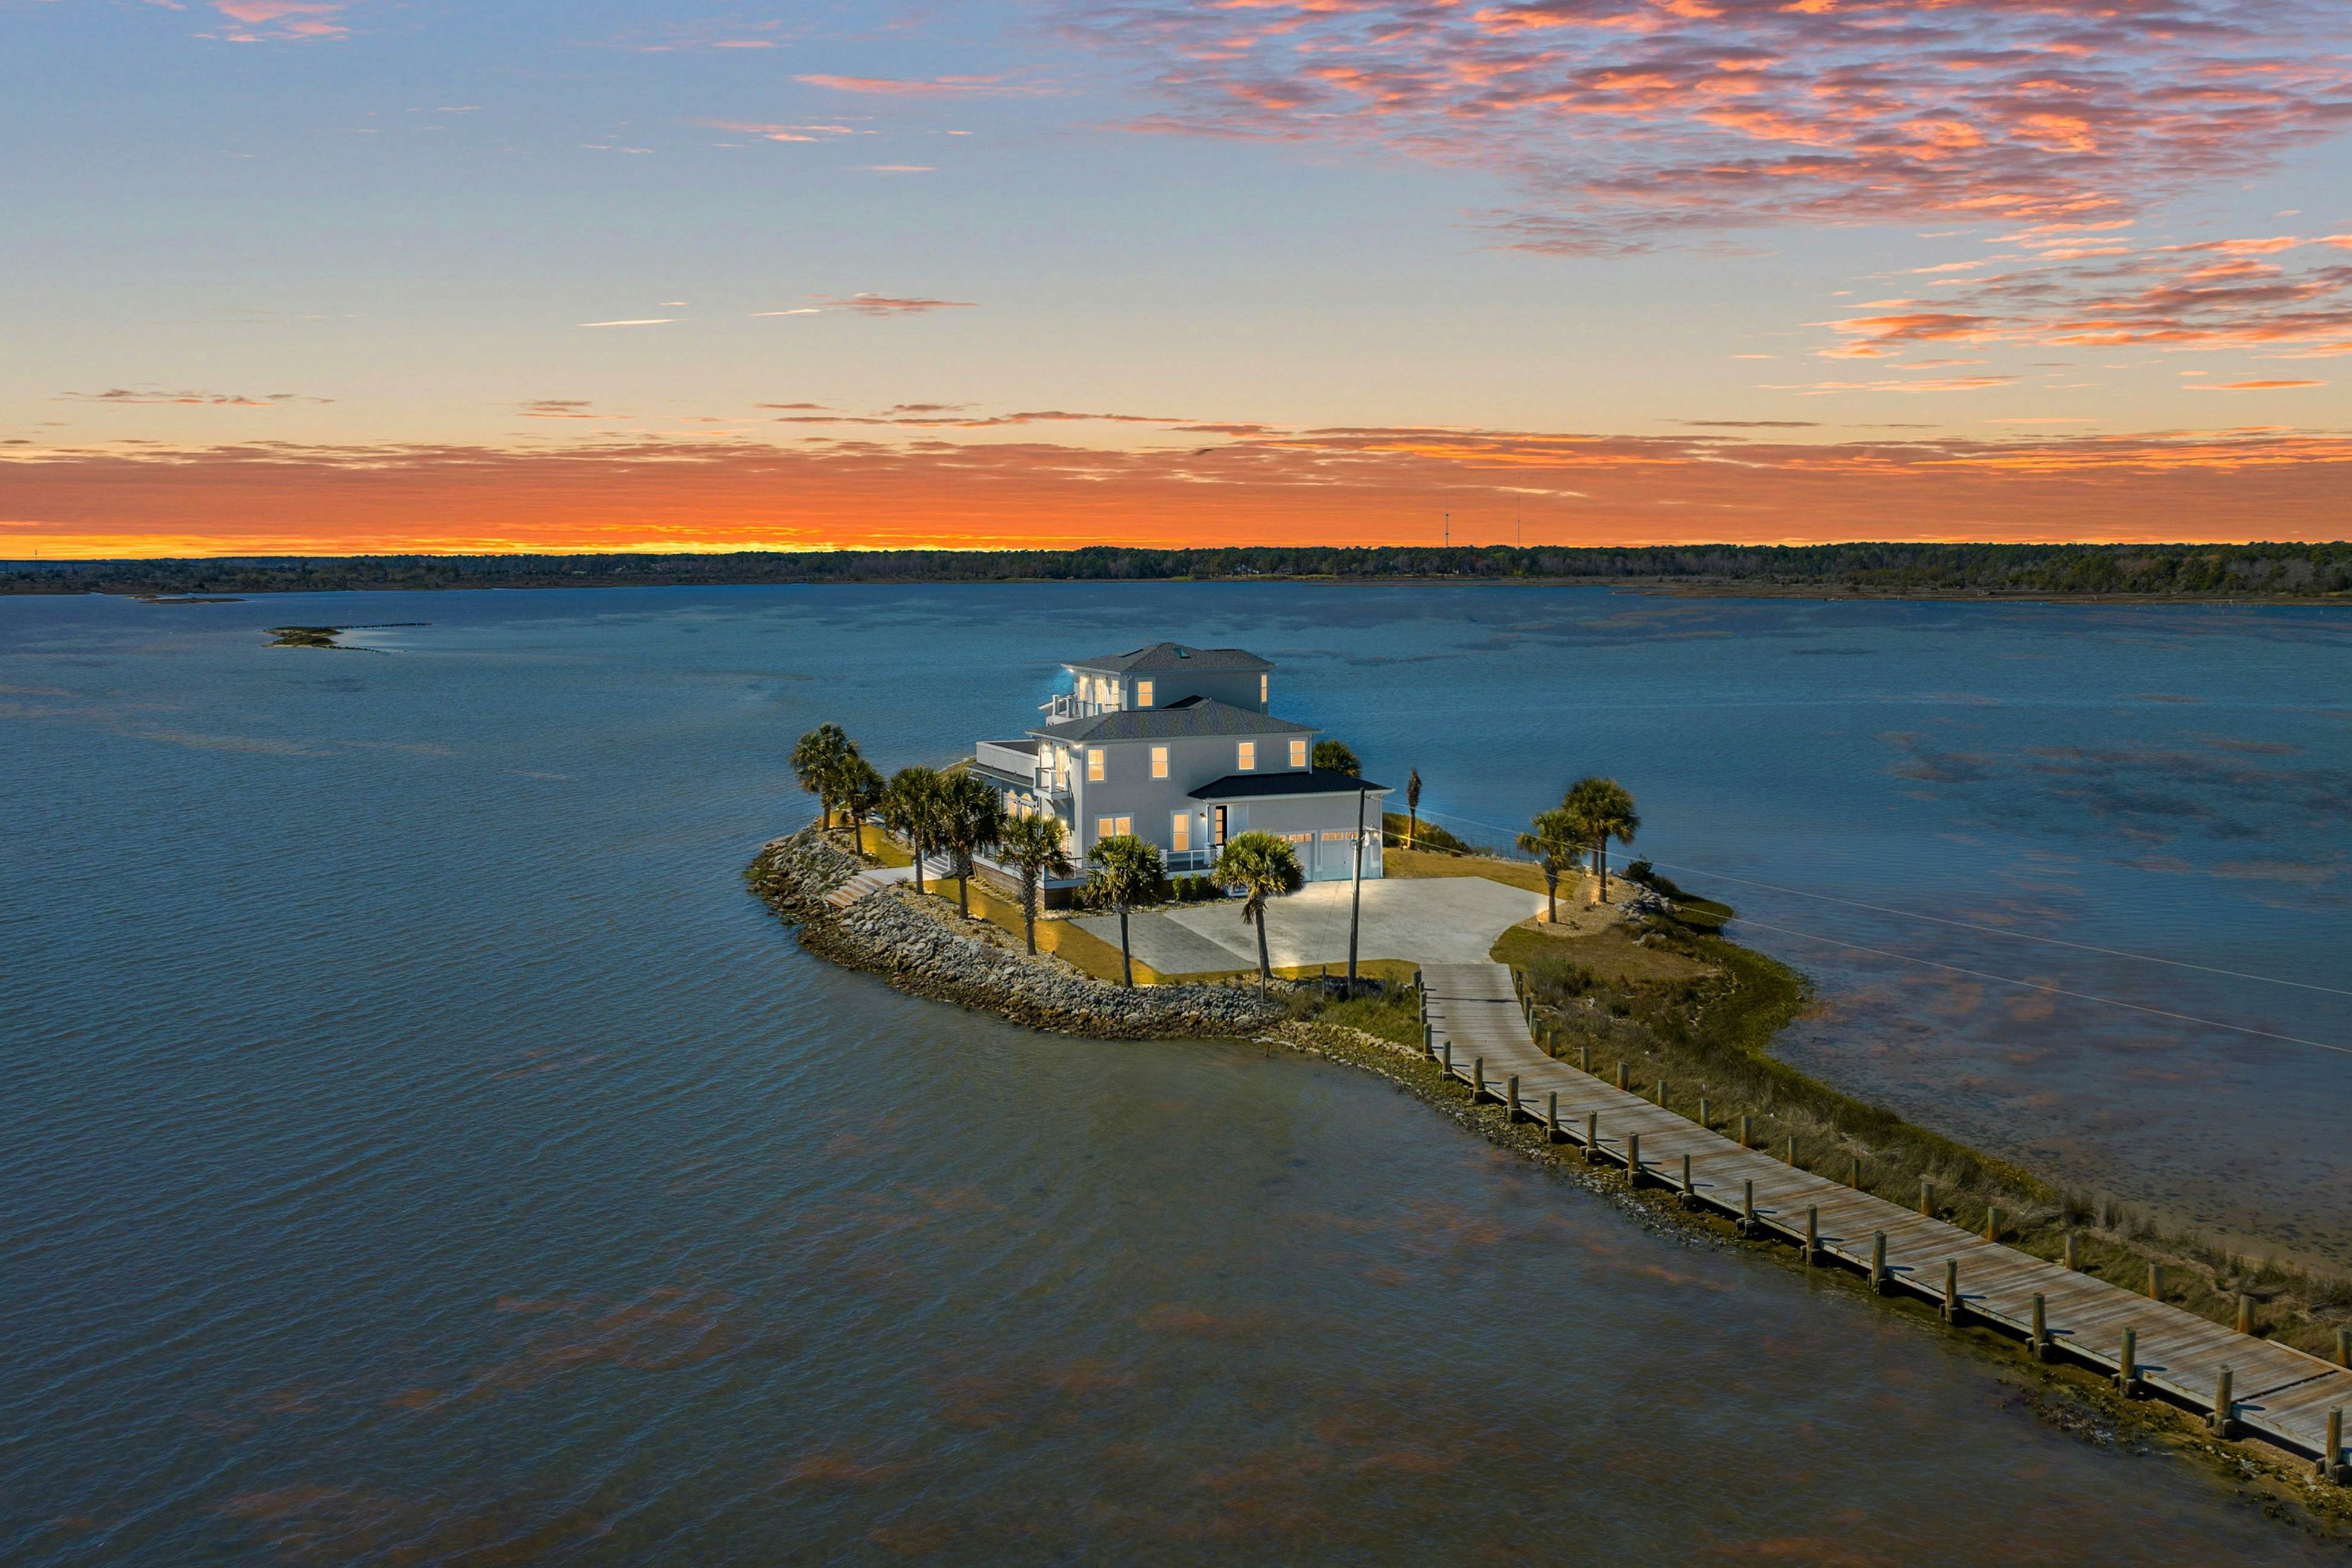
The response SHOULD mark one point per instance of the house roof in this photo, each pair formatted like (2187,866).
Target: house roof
(1273,785)
(1162,655)
(1193,716)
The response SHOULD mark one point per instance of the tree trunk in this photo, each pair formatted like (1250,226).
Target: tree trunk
(1126,964)
(1551,893)
(1029,911)
(963,899)
(1264,968)
(1601,855)
(1597,883)
(1411,824)
(918,842)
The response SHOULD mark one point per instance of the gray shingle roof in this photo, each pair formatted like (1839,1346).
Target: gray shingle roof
(1262,786)
(1202,716)
(1162,655)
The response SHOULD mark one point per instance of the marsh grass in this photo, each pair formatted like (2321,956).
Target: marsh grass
(1711,1037)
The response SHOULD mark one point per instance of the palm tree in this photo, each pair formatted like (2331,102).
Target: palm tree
(1556,838)
(1126,871)
(1604,809)
(816,762)
(1337,756)
(1262,867)
(1412,806)
(910,808)
(859,788)
(971,820)
(1038,847)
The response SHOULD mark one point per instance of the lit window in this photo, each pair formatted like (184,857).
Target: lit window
(1144,694)
(1180,832)
(1261,690)
(1103,828)
(1159,762)
(1094,765)
(1248,762)
(1298,754)
(1122,826)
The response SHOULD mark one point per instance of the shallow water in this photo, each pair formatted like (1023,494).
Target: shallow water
(417,1145)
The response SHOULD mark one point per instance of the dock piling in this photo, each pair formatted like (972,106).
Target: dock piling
(1477,1080)
(2127,1364)
(2245,1313)
(1584,1060)
(2223,1405)
(1792,1148)
(1511,1104)
(1747,1130)
(1878,1282)
(1952,1289)
(1624,1078)
(2041,1329)
(2331,1463)
(2071,1265)
(2344,1347)
(1633,1159)
(1662,1094)
(1690,1189)
(1428,1039)
(1449,1059)
(1812,1234)
(1926,1197)
(2156,1281)
(1853,1174)
(1591,1137)
(1551,1119)
(1748,1207)
(1702,1111)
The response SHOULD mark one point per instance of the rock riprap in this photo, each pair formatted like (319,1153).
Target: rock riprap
(886,933)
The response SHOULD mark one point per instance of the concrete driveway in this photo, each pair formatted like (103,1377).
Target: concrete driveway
(1424,920)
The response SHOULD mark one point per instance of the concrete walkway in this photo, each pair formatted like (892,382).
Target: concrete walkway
(1418,919)
(1477,1024)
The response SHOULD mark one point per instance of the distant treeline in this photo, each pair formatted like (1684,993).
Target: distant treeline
(2187,569)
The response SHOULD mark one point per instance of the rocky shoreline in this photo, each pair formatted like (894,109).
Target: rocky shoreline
(886,933)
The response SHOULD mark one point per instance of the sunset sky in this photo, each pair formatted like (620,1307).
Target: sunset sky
(336,275)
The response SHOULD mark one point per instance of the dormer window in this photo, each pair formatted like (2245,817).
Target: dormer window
(1144,694)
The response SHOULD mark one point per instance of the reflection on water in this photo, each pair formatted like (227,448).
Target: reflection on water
(417,1147)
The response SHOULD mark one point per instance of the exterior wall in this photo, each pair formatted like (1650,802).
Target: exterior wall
(1128,788)
(1239,688)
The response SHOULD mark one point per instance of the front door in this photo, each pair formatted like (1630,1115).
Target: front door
(1217,825)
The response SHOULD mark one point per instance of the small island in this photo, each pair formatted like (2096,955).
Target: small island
(1105,885)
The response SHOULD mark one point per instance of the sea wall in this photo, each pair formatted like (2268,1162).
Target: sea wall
(886,934)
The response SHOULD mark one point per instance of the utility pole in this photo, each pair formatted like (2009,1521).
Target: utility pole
(1449,531)
(1356,897)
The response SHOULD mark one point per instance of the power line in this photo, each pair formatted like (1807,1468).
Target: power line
(2052,990)
(1963,925)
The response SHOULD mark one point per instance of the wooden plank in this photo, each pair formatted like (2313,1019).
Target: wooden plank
(2284,1394)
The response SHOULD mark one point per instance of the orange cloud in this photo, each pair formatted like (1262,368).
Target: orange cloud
(1351,486)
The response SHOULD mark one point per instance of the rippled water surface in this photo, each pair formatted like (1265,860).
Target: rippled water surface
(415,1146)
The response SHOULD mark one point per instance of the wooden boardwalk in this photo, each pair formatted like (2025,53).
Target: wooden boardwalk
(1476,1025)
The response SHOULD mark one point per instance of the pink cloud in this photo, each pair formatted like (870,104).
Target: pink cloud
(895,87)
(1628,124)
(283,19)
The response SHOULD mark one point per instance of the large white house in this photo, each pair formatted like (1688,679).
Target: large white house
(1177,746)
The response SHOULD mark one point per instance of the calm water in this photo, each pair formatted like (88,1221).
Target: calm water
(415,1147)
